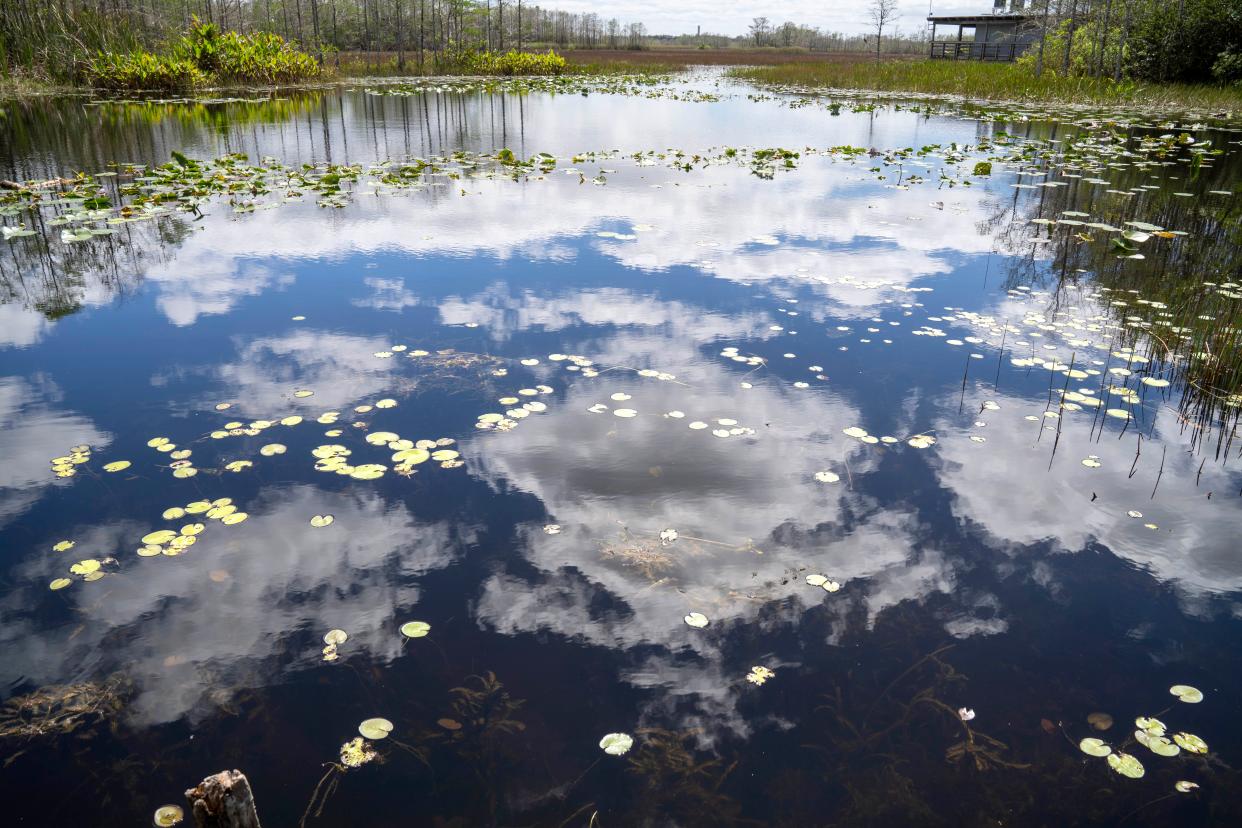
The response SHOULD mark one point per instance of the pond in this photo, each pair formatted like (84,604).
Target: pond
(855,459)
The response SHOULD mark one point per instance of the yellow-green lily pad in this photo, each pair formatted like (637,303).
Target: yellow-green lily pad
(1094,747)
(167,816)
(375,729)
(1186,693)
(1126,765)
(1190,743)
(415,629)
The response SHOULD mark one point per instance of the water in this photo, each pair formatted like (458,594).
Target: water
(990,569)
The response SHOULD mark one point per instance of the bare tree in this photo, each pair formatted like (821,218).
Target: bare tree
(759,29)
(881,13)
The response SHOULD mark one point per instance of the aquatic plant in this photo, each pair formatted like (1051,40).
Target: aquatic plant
(979,79)
(204,55)
(60,710)
(512,62)
(681,786)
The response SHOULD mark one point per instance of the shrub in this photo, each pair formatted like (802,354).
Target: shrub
(508,63)
(143,70)
(1228,66)
(231,57)
(204,55)
(1181,42)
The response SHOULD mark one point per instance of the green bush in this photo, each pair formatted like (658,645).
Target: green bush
(508,63)
(1182,42)
(1228,66)
(204,55)
(143,70)
(231,57)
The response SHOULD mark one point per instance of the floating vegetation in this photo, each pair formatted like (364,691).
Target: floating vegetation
(66,465)
(616,744)
(637,84)
(333,639)
(375,729)
(415,629)
(759,675)
(1186,693)
(696,619)
(1126,765)
(357,752)
(818,580)
(168,815)
(1150,732)
(1094,747)
(1190,743)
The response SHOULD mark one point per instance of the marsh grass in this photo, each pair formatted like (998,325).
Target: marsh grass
(995,81)
(386,64)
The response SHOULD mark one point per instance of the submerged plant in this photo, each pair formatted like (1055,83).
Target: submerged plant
(59,710)
(680,785)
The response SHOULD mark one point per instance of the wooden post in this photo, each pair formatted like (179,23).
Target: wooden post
(223,801)
(931,45)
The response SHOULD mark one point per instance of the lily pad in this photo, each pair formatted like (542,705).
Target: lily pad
(85,567)
(1186,693)
(1126,765)
(375,729)
(1190,743)
(696,619)
(320,521)
(168,815)
(616,744)
(415,629)
(1094,747)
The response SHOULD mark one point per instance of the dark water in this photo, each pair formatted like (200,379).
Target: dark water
(990,569)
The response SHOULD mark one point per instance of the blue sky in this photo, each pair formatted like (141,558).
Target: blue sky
(733,17)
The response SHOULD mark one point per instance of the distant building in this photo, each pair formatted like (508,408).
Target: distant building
(1003,34)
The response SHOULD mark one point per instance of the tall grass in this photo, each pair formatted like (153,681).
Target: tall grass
(385,65)
(995,81)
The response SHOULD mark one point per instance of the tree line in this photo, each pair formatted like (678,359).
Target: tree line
(1188,41)
(1153,40)
(763,32)
(52,36)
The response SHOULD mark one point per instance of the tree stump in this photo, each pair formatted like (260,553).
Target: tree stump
(223,801)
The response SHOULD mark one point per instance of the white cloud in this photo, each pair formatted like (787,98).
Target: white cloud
(734,18)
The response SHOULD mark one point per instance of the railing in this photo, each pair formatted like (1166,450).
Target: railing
(971,50)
